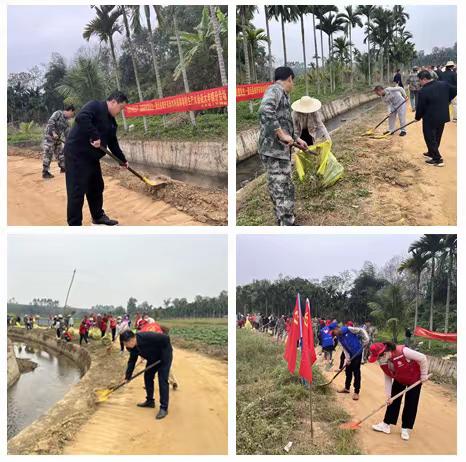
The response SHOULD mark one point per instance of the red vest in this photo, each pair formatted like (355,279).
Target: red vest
(152,327)
(401,369)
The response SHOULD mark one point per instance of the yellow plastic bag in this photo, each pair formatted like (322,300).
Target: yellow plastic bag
(326,167)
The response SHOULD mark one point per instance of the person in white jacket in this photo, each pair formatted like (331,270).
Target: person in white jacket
(395,99)
(402,367)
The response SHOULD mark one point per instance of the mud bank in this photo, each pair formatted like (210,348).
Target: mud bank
(246,141)
(205,157)
(49,433)
(13,372)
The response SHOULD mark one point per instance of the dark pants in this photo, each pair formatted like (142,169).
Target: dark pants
(432,138)
(113,333)
(163,370)
(82,337)
(122,346)
(83,178)
(354,369)
(409,409)
(342,360)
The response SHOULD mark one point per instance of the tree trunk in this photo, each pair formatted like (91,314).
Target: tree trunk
(253,64)
(316,52)
(246,55)
(158,81)
(284,42)
(304,55)
(269,45)
(133,60)
(351,55)
(218,46)
(183,66)
(416,306)
(368,52)
(432,286)
(447,304)
(115,65)
(322,46)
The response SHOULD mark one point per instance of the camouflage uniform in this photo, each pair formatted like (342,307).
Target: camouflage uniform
(275,113)
(57,124)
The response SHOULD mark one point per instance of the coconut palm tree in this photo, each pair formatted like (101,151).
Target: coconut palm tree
(254,38)
(218,44)
(449,254)
(367,11)
(313,10)
(352,19)
(104,25)
(415,264)
(283,14)
(301,11)
(269,43)
(341,49)
(400,18)
(124,12)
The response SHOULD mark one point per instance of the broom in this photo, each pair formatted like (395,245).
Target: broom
(371,131)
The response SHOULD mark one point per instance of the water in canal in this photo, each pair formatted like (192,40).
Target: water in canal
(35,392)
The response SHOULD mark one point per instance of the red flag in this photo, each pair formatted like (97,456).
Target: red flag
(291,348)
(308,352)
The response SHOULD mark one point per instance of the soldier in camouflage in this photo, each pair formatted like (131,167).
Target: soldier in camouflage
(276,137)
(56,131)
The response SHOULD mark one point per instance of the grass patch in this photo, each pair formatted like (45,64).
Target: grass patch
(25,138)
(272,406)
(205,335)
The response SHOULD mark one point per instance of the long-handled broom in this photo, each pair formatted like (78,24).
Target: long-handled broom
(102,394)
(381,137)
(339,371)
(371,131)
(357,425)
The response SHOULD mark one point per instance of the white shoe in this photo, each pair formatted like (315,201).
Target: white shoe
(382,427)
(404,434)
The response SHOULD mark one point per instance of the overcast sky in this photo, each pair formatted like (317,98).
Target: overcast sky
(430,25)
(313,256)
(110,269)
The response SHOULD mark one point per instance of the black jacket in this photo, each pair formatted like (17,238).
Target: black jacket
(449,76)
(433,102)
(152,347)
(93,122)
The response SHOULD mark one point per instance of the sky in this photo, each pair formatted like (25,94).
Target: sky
(431,25)
(313,256)
(110,269)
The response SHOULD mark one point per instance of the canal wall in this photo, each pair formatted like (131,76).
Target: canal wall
(13,372)
(201,157)
(50,432)
(246,141)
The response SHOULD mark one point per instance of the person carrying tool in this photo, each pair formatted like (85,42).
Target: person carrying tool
(433,108)
(402,367)
(328,345)
(307,120)
(352,340)
(276,137)
(57,128)
(413,86)
(395,98)
(95,128)
(152,347)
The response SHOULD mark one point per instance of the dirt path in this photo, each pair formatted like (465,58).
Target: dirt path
(35,202)
(197,422)
(435,428)
(412,193)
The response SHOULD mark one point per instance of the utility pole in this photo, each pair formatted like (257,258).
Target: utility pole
(69,289)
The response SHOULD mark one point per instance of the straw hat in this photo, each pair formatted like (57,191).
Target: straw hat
(306,105)
(450,63)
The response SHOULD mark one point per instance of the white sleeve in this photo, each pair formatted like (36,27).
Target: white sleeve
(420,358)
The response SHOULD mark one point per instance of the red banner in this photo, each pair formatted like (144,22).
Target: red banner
(251,91)
(421,332)
(194,101)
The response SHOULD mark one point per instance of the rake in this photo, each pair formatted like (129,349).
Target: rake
(340,371)
(382,137)
(371,131)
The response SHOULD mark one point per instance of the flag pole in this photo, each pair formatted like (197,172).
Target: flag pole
(310,413)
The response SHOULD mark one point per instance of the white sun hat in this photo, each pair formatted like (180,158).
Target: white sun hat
(450,63)
(306,105)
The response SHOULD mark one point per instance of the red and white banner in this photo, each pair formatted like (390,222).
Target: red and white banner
(421,332)
(251,91)
(194,101)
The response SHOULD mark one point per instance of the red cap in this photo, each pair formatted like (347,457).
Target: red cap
(350,323)
(376,350)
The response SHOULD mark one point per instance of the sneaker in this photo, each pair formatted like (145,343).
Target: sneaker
(46,175)
(343,390)
(147,404)
(161,414)
(381,427)
(355,396)
(104,220)
(435,163)
(404,434)
(403,133)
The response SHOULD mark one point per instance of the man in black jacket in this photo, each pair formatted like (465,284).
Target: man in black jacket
(153,347)
(95,127)
(433,108)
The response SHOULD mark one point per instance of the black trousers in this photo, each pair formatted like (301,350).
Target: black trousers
(113,333)
(342,360)
(82,337)
(83,179)
(409,409)
(354,370)
(122,346)
(433,137)
(163,370)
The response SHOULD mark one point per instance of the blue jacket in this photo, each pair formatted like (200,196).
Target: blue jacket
(350,342)
(326,336)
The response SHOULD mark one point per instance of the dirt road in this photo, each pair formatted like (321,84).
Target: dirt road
(412,192)
(196,424)
(435,428)
(35,202)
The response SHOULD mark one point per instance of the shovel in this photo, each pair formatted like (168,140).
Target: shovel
(382,137)
(102,394)
(357,425)
(340,371)
(371,132)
